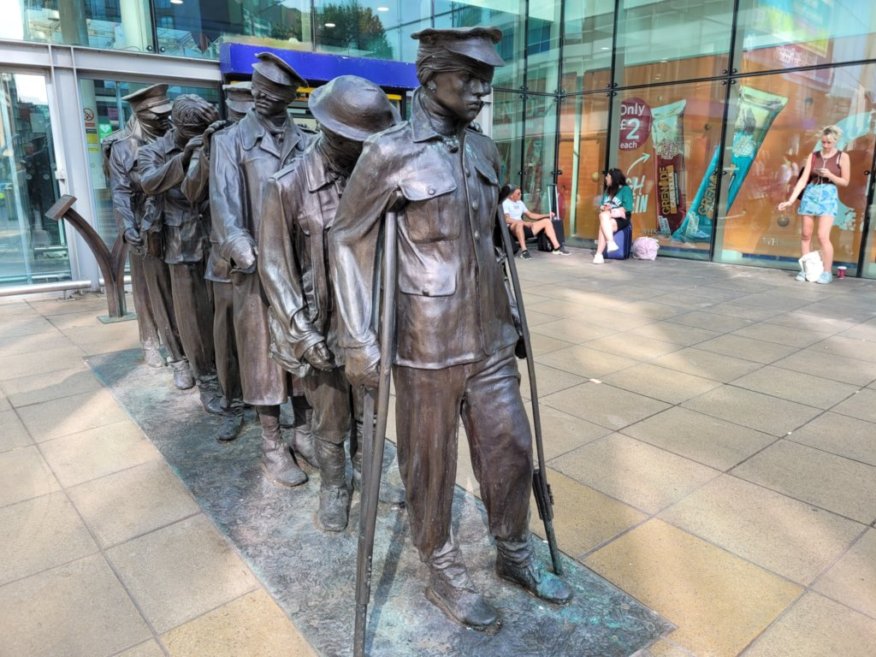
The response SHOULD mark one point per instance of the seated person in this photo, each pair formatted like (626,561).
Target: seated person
(614,212)
(514,210)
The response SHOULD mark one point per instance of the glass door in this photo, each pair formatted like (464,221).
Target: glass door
(33,248)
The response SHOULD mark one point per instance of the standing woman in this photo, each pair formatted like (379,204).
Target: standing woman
(614,212)
(824,171)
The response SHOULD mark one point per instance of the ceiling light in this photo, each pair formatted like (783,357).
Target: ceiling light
(176,2)
(329,25)
(383,8)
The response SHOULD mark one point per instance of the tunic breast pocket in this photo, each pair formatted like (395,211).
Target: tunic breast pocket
(429,215)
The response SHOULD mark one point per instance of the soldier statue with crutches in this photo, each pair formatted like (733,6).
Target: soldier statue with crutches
(455,333)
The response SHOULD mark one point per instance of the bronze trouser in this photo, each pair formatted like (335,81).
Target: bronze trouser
(227,367)
(328,393)
(157,276)
(145,319)
(428,406)
(193,307)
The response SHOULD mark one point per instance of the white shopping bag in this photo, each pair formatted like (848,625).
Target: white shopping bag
(812,266)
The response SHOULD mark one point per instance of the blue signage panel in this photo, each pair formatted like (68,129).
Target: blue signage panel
(236,59)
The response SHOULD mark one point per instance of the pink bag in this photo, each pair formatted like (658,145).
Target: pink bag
(645,248)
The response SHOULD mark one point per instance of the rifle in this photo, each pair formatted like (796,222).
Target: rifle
(544,499)
(374,429)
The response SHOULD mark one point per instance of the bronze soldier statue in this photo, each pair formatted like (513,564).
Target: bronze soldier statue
(135,214)
(242,159)
(455,332)
(238,101)
(185,230)
(298,212)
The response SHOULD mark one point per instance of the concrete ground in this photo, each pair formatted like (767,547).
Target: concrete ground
(709,431)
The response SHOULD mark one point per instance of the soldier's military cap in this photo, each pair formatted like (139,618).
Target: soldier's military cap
(352,107)
(477,43)
(238,97)
(152,98)
(277,74)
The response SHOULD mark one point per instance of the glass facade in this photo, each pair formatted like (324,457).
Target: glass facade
(709,106)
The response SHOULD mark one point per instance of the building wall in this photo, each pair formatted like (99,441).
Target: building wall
(709,106)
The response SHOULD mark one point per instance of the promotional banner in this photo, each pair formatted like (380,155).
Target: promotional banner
(756,111)
(667,135)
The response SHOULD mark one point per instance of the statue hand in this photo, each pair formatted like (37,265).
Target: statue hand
(132,237)
(244,258)
(212,128)
(319,356)
(362,366)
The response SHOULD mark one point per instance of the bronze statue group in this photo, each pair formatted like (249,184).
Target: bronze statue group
(255,257)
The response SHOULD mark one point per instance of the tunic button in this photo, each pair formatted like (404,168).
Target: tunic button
(467,171)
(475,205)
(477,234)
(431,191)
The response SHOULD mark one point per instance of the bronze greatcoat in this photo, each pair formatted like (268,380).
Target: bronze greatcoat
(149,275)
(242,158)
(455,332)
(300,205)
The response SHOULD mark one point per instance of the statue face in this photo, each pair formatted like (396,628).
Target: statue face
(156,123)
(266,103)
(461,92)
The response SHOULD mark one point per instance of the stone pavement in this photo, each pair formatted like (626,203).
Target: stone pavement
(710,436)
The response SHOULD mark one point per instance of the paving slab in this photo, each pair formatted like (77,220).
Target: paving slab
(790,538)
(852,579)
(79,609)
(831,482)
(719,601)
(817,627)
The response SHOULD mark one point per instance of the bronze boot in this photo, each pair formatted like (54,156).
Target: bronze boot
(516,564)
(277,461)
(152,354)
(452,591)
(182,374)
(334,496)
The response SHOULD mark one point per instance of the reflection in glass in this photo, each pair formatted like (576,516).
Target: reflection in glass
(778,34)
(508,134)
(539,145)
(120,25)
(672,40)
(196,28)
(583,143)
(33,248)
(587,43)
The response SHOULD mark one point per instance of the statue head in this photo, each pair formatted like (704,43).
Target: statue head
(191,115)
(274,85)
(238,100)
(350,109)
(152,107)
(455,67)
